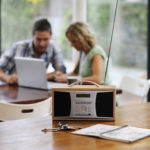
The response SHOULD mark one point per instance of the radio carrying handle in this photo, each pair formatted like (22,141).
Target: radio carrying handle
(80,82)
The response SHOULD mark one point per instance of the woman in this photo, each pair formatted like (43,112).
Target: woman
(91,65)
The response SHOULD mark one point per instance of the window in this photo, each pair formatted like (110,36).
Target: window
(129,45)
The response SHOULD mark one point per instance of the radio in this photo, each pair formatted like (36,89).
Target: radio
(84,102)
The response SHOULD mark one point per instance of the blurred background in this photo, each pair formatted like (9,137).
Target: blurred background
(129,45)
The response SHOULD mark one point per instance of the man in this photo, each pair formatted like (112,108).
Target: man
(40,46)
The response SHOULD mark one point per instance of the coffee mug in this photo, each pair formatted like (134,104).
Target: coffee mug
(72,79)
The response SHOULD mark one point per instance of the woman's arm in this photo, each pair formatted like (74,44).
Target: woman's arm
(97,68)
(76,69)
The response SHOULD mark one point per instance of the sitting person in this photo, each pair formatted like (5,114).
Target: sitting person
(91,65)
(41,46)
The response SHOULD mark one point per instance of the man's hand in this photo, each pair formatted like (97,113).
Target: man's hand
(11,79)
(60,77)
(51,76)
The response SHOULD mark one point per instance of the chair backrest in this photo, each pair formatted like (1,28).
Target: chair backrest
(10,111)
(135,86)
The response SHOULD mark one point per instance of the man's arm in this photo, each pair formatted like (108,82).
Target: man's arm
(57,59)
(7,65)
(60,77)
(10,79)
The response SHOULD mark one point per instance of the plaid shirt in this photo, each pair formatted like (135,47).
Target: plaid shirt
(25,49)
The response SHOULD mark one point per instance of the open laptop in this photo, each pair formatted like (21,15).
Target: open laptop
(31,73)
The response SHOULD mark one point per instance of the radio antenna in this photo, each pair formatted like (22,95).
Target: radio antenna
(111,40)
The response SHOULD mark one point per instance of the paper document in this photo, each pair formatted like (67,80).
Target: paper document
(119,133)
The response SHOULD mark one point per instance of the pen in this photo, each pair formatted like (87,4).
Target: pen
(114,129)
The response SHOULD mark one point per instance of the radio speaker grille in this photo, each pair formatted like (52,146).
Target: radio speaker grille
(104,104)
(62,104)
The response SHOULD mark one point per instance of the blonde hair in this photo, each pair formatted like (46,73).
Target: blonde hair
(82,32)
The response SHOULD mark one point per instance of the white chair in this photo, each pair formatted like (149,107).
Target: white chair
(133,87)
(10,111)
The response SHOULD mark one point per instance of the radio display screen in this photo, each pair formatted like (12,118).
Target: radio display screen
(82,95)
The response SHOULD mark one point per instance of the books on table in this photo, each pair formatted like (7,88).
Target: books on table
(119,133)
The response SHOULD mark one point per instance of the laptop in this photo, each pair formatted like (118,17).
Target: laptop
(31,73)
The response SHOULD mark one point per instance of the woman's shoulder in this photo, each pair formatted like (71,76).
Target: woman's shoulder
(97,50)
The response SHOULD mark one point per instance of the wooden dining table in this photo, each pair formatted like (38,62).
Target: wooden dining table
(18,94)
(27,134)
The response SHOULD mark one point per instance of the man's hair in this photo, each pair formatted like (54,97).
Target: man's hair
(83,33)
(42,25)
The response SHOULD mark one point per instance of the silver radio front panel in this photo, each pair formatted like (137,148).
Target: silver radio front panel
(83,104)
